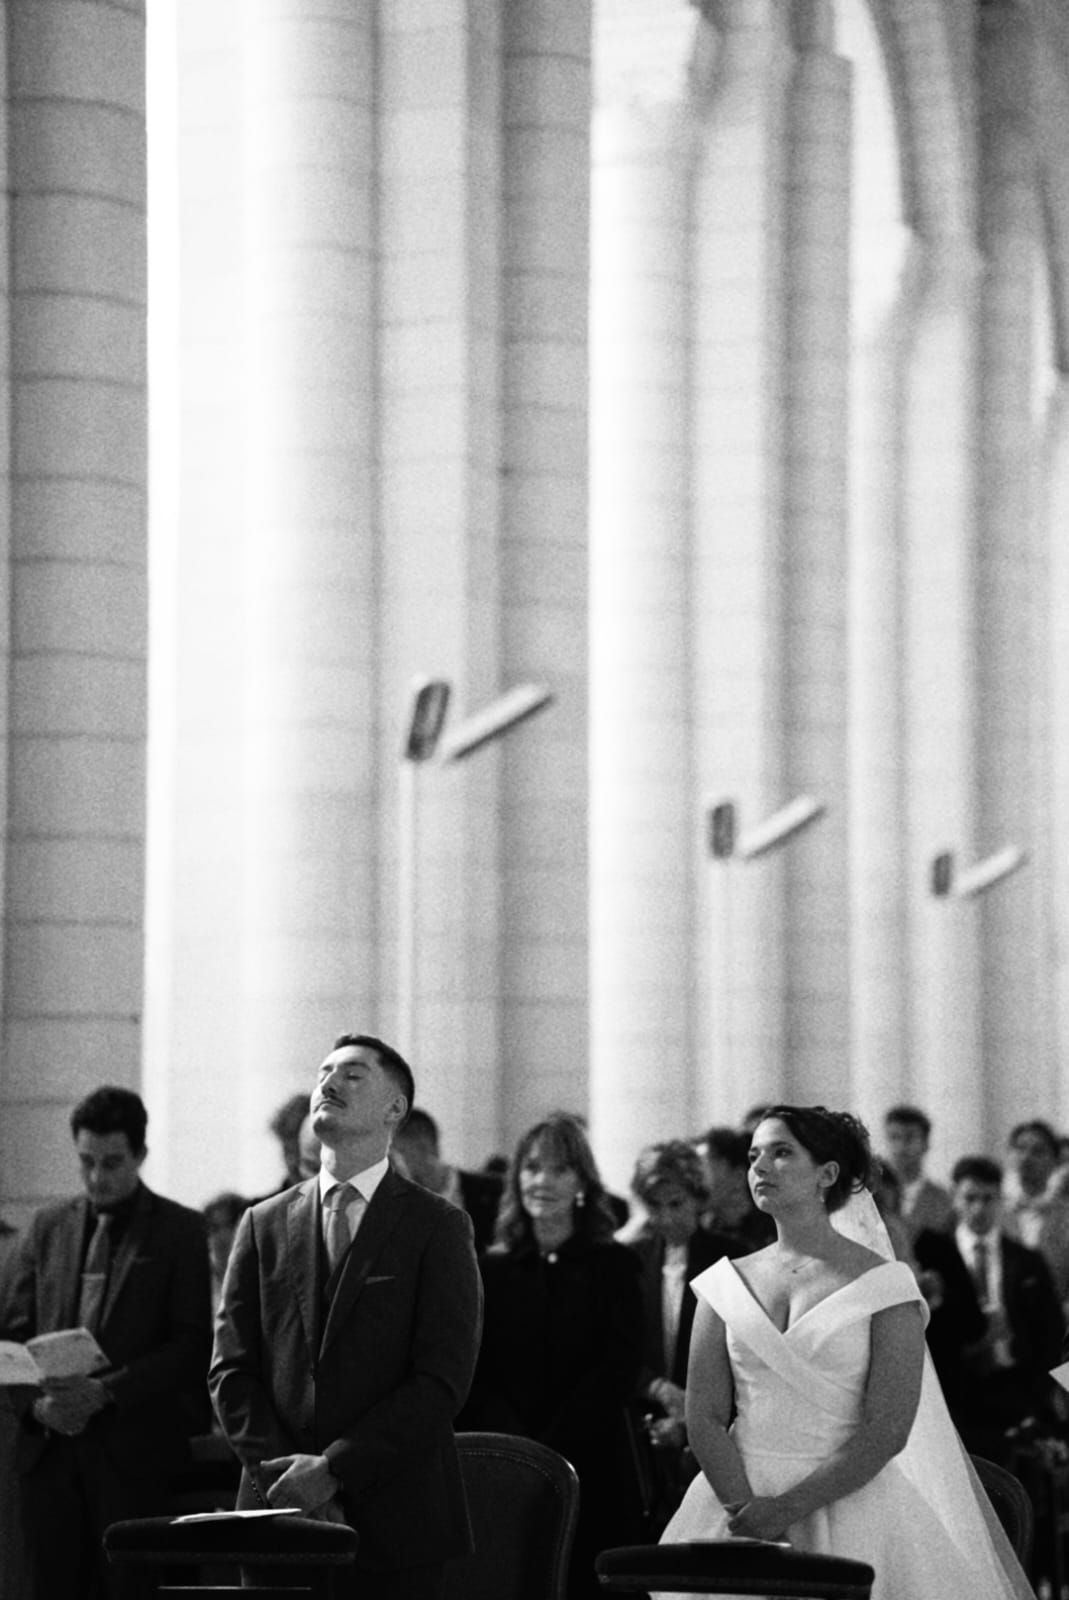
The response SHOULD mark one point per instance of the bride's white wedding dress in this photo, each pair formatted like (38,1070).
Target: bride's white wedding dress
(922,1522)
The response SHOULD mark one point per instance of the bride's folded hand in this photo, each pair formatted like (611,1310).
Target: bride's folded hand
(763,1517)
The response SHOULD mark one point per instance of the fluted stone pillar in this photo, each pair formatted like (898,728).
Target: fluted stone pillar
(311,632)
(645,822)
(816,443)
(1018,1042)
(1055,517)
(544,580)
(440,386)
(879,965)
(932,432)
(193,1018)
(76,668)
(939,509)
(737,443)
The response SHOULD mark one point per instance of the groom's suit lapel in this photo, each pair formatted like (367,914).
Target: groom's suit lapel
(302,1244)
(378,1223)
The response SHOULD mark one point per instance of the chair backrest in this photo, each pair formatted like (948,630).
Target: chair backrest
(1012,1505)
(732,1567)
(523,1499)
(317,1556)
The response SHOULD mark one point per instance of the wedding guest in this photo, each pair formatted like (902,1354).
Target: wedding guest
(1034,1210)
(907,1133)
(1005,1374)
(562,1335)
(14,1558)
(286,1127)
(418,1143)
(133,1268)
(670,1184)
(221,1217)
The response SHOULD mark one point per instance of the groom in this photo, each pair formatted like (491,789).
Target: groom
(347,1336)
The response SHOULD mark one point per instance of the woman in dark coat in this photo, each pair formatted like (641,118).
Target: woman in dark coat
(562,1335)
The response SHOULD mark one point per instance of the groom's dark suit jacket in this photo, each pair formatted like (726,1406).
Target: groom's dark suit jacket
(374,1380)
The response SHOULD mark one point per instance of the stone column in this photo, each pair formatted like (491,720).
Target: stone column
(931,430)
(817,296)
(310,940)
(193,1015)
(1018,1041)
(1055,509)
(879,965)
(439,417)
(73,931)
(737,609)
(544,579)
(938,518)
(645,822)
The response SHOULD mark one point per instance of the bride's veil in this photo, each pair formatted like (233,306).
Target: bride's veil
(934,1458)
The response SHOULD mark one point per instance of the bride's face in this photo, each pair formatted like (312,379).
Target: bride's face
(783,1175)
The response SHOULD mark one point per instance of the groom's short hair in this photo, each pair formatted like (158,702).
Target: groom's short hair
(392,1062)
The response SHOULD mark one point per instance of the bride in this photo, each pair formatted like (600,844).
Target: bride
(841,1441)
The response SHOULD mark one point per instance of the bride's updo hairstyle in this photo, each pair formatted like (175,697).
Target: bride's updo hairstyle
(831,1136)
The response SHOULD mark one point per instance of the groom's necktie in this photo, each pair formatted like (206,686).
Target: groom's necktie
(95,1274)
(337,1234)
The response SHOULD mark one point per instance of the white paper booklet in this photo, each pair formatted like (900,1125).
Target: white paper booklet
(239,1516)
(1061,1374)
(70,1353)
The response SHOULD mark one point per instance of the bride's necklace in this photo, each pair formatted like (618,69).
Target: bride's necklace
(799,1266)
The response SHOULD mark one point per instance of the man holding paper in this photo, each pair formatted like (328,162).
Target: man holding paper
(131,1269)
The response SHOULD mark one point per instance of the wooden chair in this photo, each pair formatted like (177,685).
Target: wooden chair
(1012,1504)
(732,1566)
(318,1555)
(523,1500)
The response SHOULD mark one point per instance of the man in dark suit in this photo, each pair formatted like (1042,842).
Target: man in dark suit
(418,1144)
(347,1335)
(1006,1378)
(956,1324)
(132,1267)
(924,1205)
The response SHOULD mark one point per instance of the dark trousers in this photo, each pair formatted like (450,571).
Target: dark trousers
(407,1583)
(68,1497)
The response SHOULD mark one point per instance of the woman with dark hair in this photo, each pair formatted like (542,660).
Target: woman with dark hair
(562,1330)
(811,1407)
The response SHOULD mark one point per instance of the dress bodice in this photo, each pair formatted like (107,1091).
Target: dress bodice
(798,1393)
